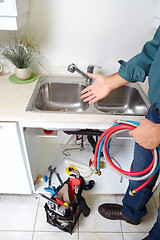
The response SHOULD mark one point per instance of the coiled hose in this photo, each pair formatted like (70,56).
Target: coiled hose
(104,140)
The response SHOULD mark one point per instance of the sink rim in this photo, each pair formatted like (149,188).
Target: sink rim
(91,109)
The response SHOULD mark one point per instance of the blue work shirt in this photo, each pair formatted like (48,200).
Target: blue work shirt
(146,63)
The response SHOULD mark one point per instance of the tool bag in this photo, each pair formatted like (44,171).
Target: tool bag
(70,209)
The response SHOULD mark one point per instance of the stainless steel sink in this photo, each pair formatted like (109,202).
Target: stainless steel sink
(59,97)
(62,95)
(124,100)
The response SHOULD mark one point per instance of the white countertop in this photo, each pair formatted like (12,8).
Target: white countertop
(15,97)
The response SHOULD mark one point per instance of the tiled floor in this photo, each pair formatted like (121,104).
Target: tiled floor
(22,217)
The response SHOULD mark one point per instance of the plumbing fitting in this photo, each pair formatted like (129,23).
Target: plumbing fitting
(95,170)
(91,67)
(80,139)
(98,172)
(132,192)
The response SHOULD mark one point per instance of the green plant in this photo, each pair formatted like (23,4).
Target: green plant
(21,53)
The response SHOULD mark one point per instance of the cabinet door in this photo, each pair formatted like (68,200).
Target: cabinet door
(13,170)
(13,14)
(8,8)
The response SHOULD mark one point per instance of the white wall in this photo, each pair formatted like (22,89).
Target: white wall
(92,31)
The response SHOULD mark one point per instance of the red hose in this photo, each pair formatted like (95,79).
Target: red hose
(109,132)
(107,135)
(116,128)
(143,184)
(103,134)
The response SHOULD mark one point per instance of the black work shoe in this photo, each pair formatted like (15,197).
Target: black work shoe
(112,211)
(146,238)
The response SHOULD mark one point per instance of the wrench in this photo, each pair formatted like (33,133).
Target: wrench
(51,170)
(74,183)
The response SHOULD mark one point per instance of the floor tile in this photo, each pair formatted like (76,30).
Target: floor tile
(41,224)
(54,236)
(100,236)
(146,223)
(95,222)
(134,236)
(15,235)
(17,212)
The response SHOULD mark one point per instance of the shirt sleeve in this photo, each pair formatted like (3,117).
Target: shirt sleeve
(137,68)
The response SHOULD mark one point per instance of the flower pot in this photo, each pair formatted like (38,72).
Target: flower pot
(23,73)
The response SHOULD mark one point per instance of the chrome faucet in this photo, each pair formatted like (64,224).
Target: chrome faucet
(72,68)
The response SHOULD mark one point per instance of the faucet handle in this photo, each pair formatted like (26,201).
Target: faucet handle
(91,68)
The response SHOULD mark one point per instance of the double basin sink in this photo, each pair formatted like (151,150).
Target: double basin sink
(62,95)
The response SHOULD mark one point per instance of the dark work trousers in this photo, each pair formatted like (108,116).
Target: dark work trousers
(135,207)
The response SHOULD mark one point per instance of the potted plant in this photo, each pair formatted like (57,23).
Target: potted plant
(21,54)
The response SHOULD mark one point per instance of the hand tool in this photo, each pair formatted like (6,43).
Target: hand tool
(58,176)
(68,169)
(52,190)
(74,183)
(51,170)
(61,207)
(60,201)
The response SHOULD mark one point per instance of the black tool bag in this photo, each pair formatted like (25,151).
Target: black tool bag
(66,219)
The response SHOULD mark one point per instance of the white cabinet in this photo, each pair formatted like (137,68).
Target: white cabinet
(27,152)
(14,175)
(13,14)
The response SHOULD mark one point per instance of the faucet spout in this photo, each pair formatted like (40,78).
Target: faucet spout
(72,68)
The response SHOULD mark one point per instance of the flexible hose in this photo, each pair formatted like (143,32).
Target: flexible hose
(104,141)
(127,174)
(85,171)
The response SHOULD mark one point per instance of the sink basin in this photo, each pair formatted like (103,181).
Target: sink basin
(61,94)
(61,97)
(125,100)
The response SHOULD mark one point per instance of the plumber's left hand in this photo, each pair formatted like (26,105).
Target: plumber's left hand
(147,134)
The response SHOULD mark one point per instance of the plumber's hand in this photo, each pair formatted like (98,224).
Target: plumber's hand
(99,89)
(147,134)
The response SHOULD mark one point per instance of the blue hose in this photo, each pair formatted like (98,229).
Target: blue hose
(101,145)
(100,149)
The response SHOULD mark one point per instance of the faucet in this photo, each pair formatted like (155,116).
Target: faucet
(72,68)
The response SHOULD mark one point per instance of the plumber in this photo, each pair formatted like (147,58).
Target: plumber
(147,134)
